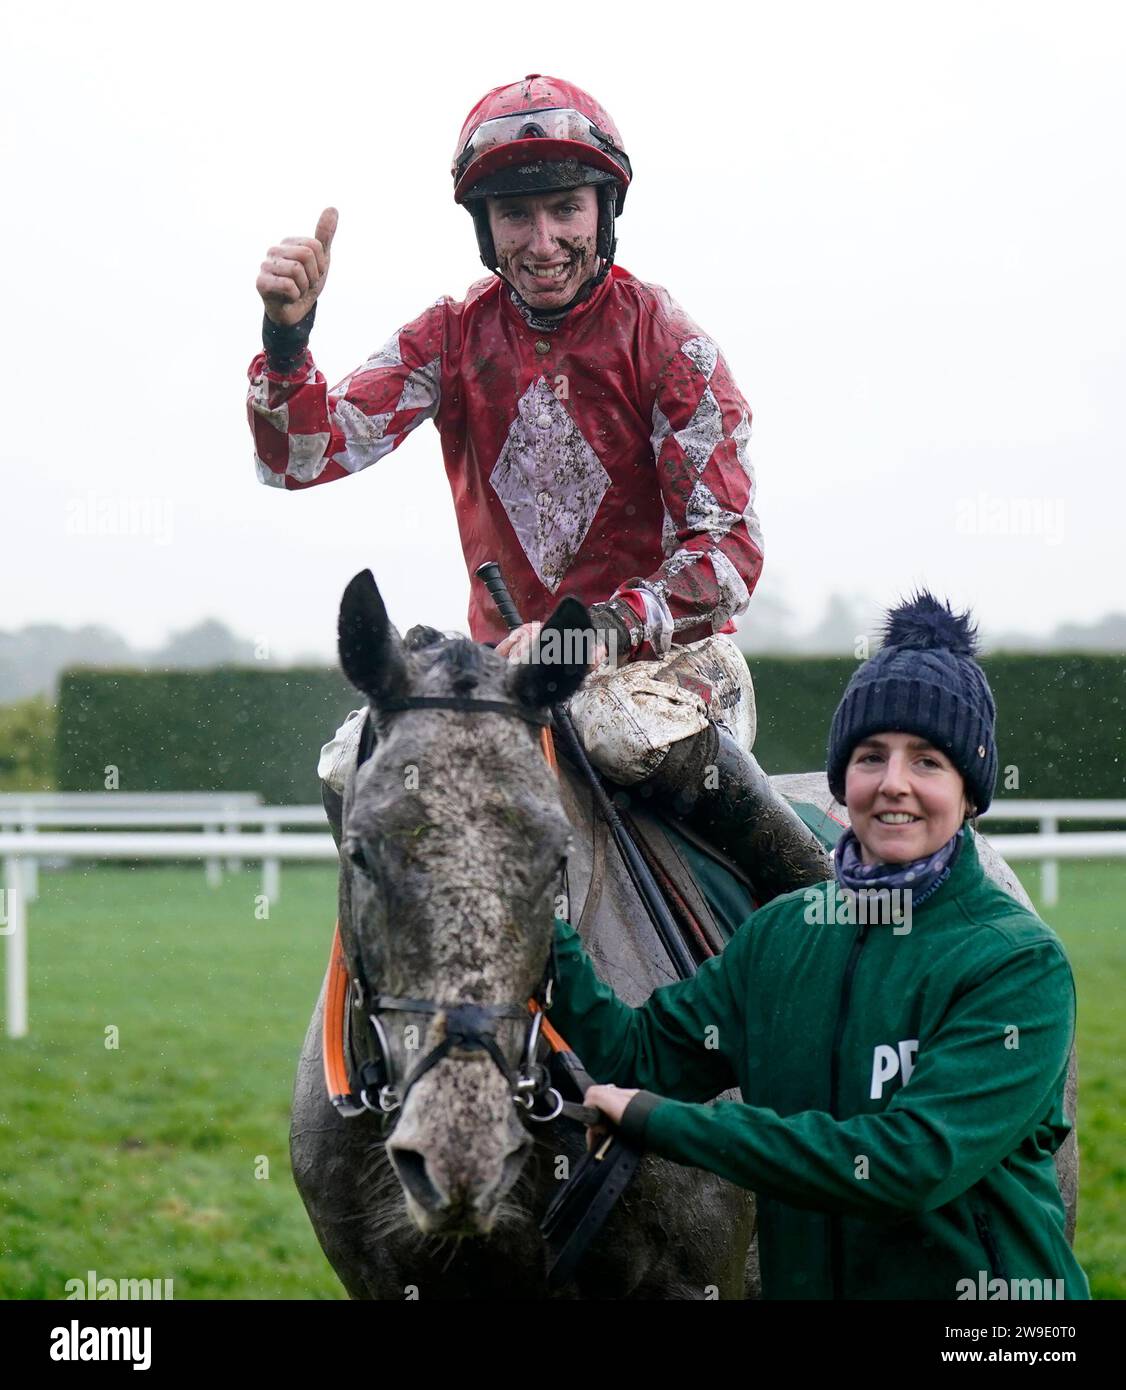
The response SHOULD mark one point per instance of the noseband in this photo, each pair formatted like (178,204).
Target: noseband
(468,1027)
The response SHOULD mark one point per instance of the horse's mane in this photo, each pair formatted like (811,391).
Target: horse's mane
(462,661)
(455,654)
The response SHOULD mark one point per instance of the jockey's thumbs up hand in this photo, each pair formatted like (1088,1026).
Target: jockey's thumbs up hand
(294,272)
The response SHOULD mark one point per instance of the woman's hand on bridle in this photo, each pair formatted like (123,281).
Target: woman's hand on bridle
(612,1101)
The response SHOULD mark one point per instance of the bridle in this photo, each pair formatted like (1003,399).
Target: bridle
(581,1205)
(469,1027)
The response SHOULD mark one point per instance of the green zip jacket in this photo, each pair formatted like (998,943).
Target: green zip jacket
(902,1087)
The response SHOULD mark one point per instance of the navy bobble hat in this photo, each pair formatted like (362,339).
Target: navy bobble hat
(924,680)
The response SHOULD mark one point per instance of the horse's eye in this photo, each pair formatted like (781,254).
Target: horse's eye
(354,850)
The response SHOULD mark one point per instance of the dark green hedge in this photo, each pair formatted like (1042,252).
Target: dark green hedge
(245,729)
(1059,719)
(231,729)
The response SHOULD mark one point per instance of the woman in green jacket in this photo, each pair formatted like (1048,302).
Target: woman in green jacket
(900,1034)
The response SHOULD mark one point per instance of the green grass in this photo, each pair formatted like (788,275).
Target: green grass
(1090,919)
(140,1161)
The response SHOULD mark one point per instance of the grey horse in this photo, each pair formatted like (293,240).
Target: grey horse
(455,830)
(460,828)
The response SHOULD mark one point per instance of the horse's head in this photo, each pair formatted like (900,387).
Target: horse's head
(454,840)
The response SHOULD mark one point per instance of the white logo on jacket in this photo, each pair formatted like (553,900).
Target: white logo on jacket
(888,1062)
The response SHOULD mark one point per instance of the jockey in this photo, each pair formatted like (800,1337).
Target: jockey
(596,445)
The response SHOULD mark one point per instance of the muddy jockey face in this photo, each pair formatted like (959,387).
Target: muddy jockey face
(545,245)
(540,167)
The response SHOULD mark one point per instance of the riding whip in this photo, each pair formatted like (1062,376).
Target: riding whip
(663,921)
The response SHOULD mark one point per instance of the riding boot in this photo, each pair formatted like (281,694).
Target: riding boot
(333,803)
(712,783)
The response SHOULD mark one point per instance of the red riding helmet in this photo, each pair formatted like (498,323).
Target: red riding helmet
(537,136)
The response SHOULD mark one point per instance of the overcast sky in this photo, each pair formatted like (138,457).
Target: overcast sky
(903,224)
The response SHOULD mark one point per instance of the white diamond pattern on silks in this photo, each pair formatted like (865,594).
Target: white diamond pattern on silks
(422,388)
(365,437)
(703,432)
(307,456)
(278,415)
(733,595)
(741,434)
(550,482)
(704,353)
(387,356)
(703,513)
(678,561)
(753,525)
(668,534)
(660,430)
(267,475)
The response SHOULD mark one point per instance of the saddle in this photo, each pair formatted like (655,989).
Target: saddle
(708,894)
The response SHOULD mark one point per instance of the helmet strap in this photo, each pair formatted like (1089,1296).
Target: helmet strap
(480,213)
(607,240)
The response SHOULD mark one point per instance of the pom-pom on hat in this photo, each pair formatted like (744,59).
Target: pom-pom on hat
(924,680)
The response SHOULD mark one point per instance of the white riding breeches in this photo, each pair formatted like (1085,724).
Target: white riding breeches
(628,718)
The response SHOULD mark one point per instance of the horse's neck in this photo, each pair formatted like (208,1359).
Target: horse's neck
(604,905)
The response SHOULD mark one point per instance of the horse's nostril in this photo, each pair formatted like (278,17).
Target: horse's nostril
(411,1168)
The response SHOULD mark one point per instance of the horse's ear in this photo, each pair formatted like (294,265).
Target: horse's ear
(560,660)
(371,651)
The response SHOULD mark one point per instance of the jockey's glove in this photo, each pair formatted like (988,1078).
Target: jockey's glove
(611,621)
